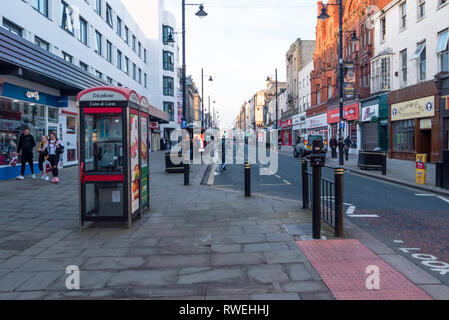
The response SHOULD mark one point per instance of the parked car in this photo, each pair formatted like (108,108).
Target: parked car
(304,147)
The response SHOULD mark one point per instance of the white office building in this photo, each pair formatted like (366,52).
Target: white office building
(53,49)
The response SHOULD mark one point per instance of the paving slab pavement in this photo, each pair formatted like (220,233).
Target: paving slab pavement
(196,242)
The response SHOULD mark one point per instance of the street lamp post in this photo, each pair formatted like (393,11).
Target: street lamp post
(201,13)
(324,16)
(276,97)
(202,95)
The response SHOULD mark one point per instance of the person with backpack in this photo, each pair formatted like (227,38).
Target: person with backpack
(54,148)
(25,148)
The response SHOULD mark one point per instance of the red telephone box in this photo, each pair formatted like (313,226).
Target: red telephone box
(114,155)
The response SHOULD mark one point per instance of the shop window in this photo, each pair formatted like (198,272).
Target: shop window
(442,51)
(67,18)
(71,125)
(53,115)
(404,136)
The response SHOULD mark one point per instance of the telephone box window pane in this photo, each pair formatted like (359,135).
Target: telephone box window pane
(104,143)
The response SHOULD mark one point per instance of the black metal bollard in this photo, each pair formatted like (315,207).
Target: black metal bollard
(187,168)
(338,173)
(316,204)
(223,153)
(305,184)
(247,179)
(384,163)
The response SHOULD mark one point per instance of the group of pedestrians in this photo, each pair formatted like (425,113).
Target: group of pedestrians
(334,145)
(49,150)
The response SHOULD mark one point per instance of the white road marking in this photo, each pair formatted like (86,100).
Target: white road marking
(424,194)
(350,210)
(398,241)
(277,176)
(444,199)
(273,184)
(286,182)
(364,216)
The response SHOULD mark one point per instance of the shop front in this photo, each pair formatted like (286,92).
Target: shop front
(286,132)
(351,116)
(318,125)
(415,122)
(374,123)
(22,107)
(298,125)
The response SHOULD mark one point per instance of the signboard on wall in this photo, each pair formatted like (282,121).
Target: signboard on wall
(419,108)
(349,85)
(318,121)
(369,112)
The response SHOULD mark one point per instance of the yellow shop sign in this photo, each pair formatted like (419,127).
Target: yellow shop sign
(419,108)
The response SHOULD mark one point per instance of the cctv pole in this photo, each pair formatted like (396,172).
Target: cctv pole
(341,80)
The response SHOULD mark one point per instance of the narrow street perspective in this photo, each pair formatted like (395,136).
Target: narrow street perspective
(246,156)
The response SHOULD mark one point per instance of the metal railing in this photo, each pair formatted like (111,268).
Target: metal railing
(330,200)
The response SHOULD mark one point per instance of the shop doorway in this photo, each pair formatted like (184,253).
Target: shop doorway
(425,143)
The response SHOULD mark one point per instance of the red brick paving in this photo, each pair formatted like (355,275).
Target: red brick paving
(342,265)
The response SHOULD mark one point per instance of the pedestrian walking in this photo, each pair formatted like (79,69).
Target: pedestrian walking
(43,157)
(333,144)
(54,148)
(347,144)
(25,150)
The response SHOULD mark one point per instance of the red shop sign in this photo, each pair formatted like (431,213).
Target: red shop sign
(154,125)
(351,112)
(285,124)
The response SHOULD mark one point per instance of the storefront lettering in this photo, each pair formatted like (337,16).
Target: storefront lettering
(33,94)
(418,108)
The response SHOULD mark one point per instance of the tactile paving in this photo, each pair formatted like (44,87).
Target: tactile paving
(342,265)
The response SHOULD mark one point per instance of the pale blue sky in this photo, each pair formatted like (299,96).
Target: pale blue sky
(240,42)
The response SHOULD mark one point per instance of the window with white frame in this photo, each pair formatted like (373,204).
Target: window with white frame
(442,2)
(403,11)
(442,51)
(381,74)
(403,57)
(109,20)
(421,9)
(41,6)
(420,56)
(383,28)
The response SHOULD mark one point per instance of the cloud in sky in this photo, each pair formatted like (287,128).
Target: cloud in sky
(240,43)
